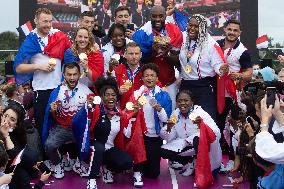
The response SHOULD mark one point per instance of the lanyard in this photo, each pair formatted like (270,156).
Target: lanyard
(192,49)
(130,75)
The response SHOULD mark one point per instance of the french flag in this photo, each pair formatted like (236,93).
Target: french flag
(25,28)
(144,37)
(58,42)
(18,158)
(262,42)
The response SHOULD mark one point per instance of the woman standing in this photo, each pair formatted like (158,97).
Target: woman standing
(114,50)
(86,52)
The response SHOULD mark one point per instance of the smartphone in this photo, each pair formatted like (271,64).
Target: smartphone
(43,168)
(270,92)
(130,27)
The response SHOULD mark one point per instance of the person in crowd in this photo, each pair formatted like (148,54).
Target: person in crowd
(128,76)
(88,20)
(91,65)
(39,57)
(240,70)
(268,74)
(266,145)
(107,132)
(113,51)
(273,177)
(201,60)
(122,15)
(183,134)
(104,14)
(255,71)
(140,14)
(65,101)
(13,134)
(160,43)
(13,94)
(5,179)
(280,75)
(146,127)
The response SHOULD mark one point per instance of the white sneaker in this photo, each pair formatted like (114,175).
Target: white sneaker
(58,171)
(230,165)
(81,168)
(138,182)
(107,176)
(68,163)
(92,184)
(188,169)
(175,165)
(223,168)
(84,169)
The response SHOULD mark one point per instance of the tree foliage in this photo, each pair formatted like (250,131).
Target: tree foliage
(9,41)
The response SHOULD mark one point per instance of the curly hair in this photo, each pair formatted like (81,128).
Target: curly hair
(102,84)
(90,47)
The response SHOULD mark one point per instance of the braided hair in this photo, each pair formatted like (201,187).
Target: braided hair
(203,30)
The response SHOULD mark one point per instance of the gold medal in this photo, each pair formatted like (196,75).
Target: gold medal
(129,106)
(187,69)
(142,100)
(193,116)
(52,61)
(173,118)
(128,84)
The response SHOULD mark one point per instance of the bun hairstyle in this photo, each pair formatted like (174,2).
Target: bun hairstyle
(102,84)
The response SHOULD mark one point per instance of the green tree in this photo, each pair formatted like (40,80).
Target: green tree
(9,41)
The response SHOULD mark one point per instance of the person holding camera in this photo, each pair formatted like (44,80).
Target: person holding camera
(266,145)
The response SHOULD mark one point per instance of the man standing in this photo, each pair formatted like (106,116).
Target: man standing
(129,76)
(240,70)
(121,16)
(160,43)
(39,58)
(88,20)
(65,102)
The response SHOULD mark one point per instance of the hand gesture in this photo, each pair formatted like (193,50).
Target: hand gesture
(235,76)
(46,67)
(123,89)
(197,121)
(84,63)
(44,176)
(170,125)
(4,129)
(54,106)
(112,63)
(136,107)
(224,69)
(157,107)
(266,113)
(6,178)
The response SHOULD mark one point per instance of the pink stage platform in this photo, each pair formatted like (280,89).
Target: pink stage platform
(169,179)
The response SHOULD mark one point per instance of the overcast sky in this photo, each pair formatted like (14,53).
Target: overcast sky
(270,18)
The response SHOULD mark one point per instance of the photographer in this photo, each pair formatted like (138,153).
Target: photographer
(266,146)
